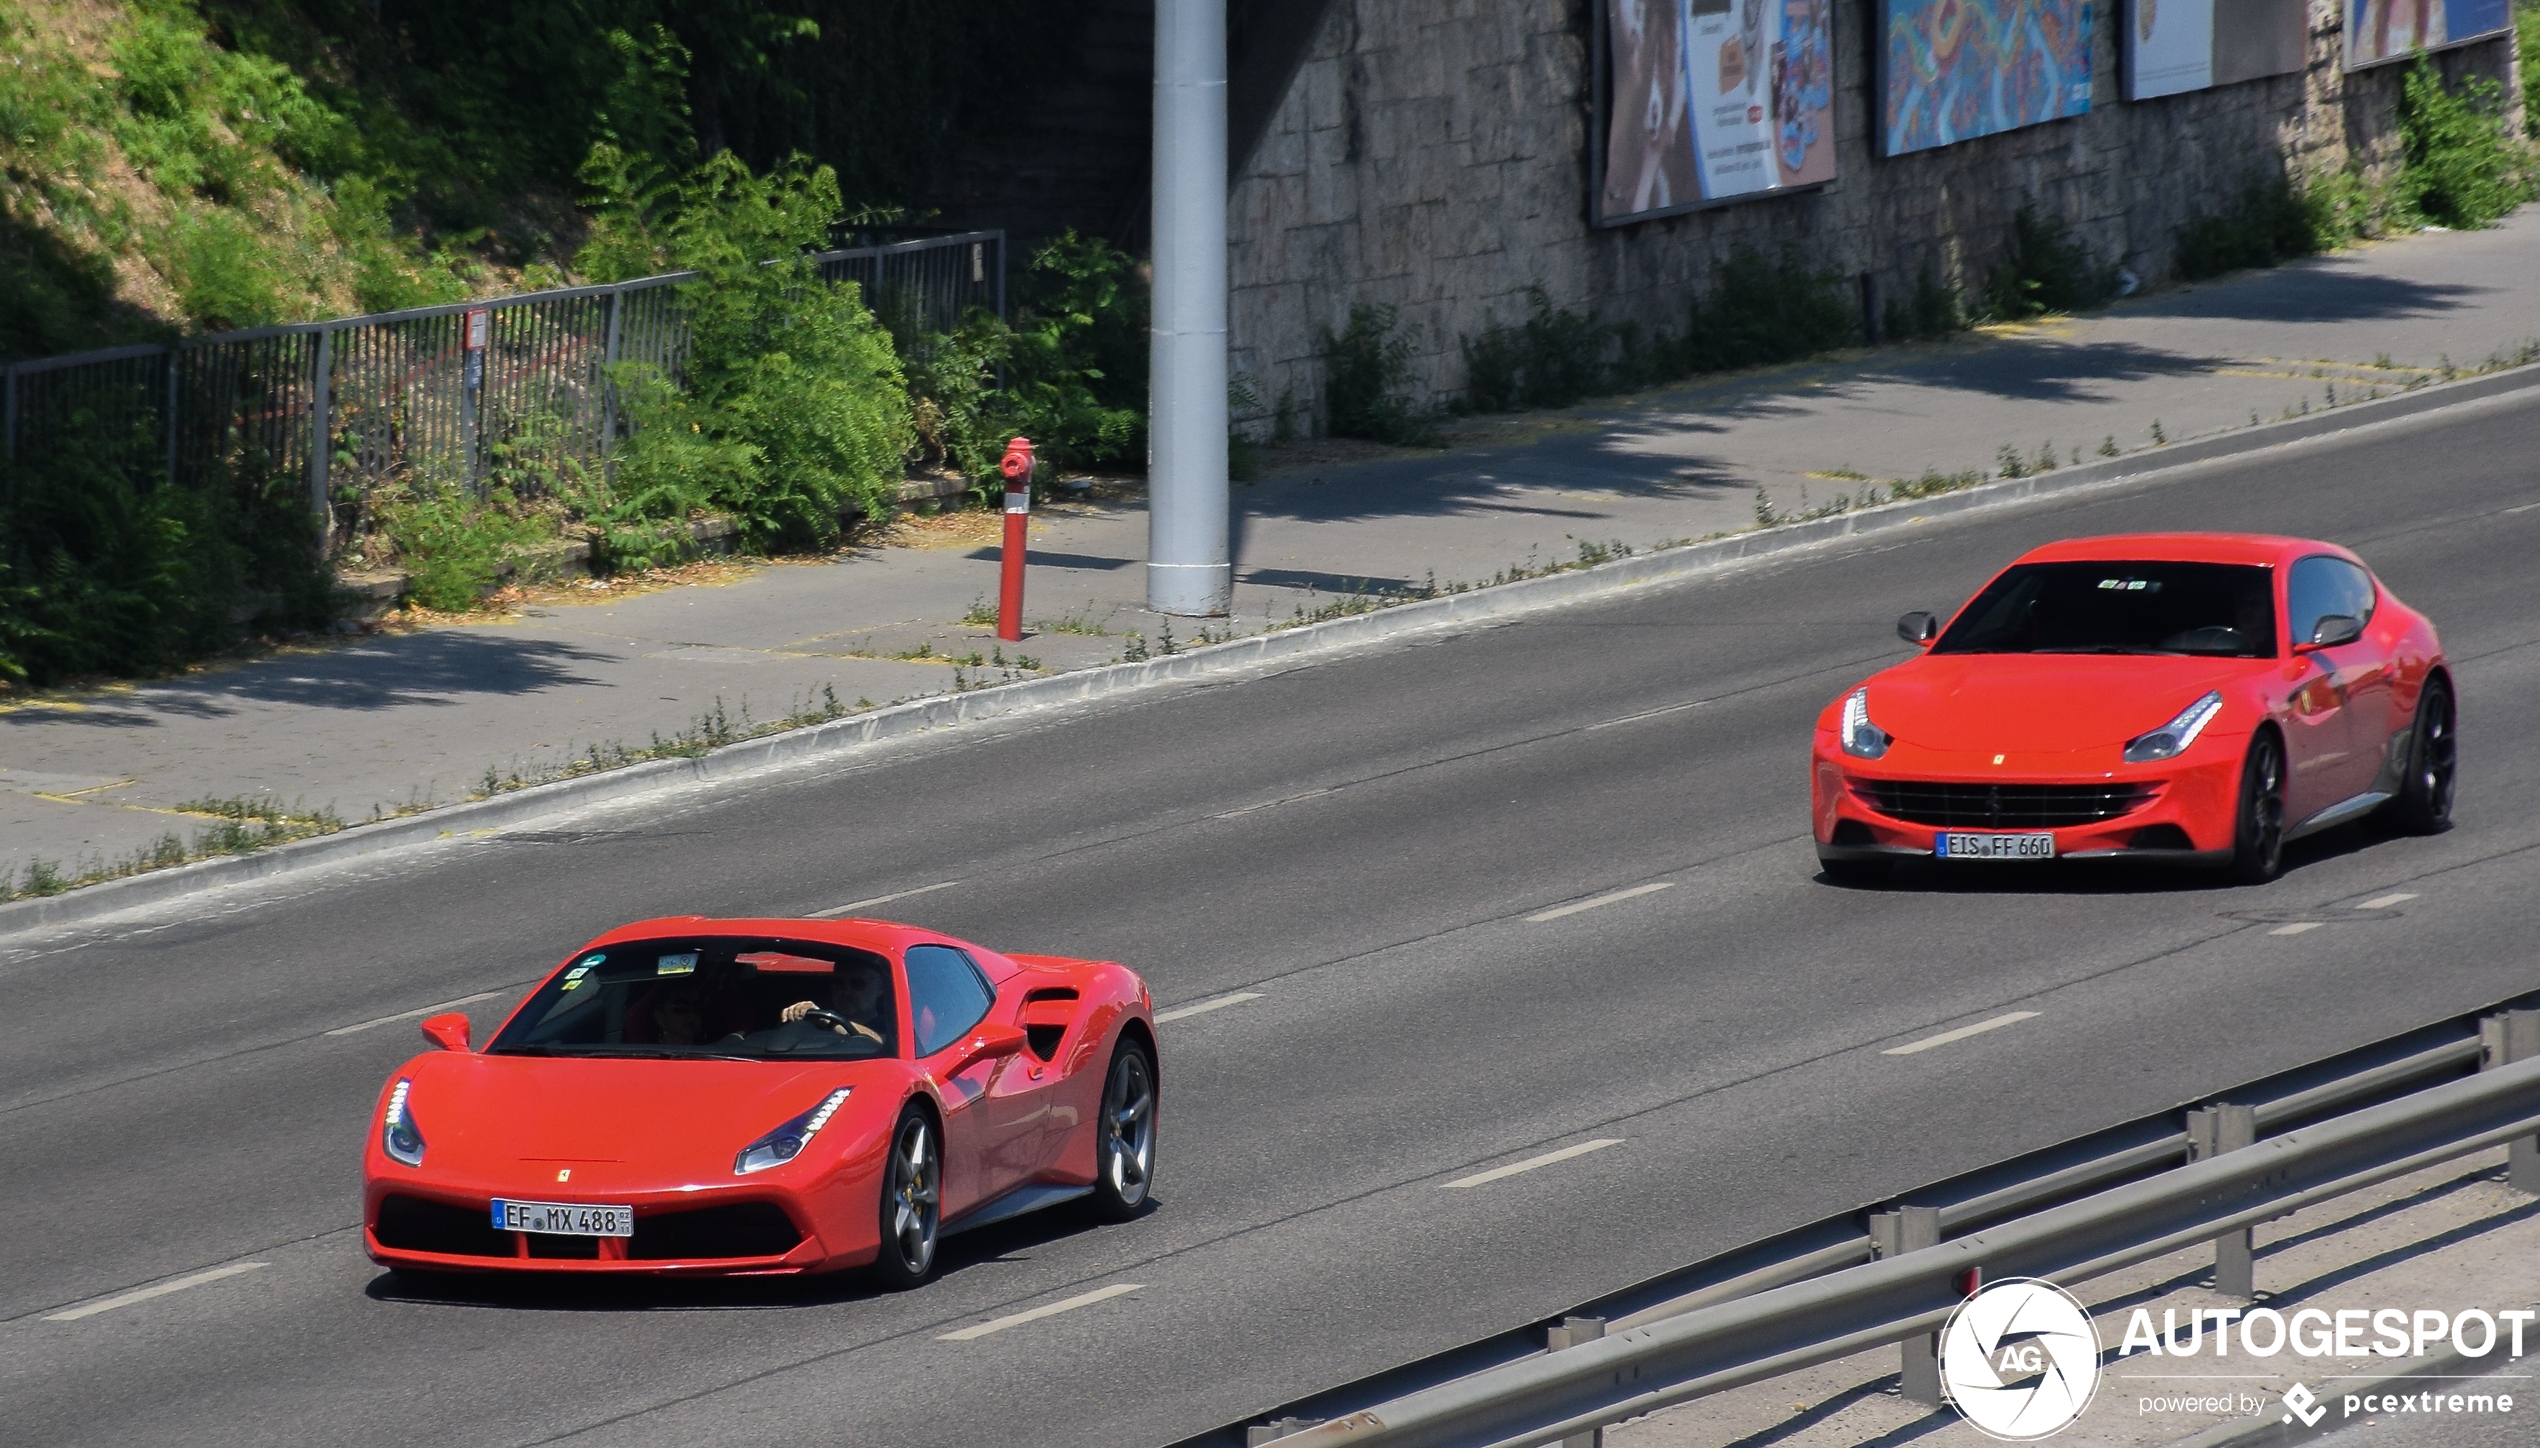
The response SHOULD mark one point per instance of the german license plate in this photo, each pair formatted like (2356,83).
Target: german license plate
(1954,846)
(564,1219)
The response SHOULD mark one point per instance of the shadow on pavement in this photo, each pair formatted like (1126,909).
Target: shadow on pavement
(435,667)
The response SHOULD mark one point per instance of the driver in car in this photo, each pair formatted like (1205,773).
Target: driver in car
(859,995)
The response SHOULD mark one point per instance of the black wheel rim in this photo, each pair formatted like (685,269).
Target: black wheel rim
(2266,805)
(913,1196)
(2436,756)
(1128,1124)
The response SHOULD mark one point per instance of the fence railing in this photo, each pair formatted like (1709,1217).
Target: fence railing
(2092,1210)
(425,395)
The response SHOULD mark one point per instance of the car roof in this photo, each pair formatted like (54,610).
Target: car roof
(882,937)
(2266,549)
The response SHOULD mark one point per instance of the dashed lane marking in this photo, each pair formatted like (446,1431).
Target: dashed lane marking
(852,906)
(144,1294)
(1609,899)
(1017,1319)
(483,995)
(2386,901)
(1204,1007)
(2012,1018)
(1648,714)
(2296,928)
(1532,1162)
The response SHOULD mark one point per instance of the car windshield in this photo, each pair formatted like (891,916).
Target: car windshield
(711,996)
(2224,610)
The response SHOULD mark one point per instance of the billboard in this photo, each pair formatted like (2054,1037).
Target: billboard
(1952,70)
(2170,47)
(1709,101)
(2379,31)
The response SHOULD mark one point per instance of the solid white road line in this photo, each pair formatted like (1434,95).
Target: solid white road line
(2298,927)
(2386,901)
(1017,1319)
(1600,900)
(834,911)
(483,995)
(144,1294)
(1274,803)
(1530,1163)
(1960,1034)
(1204,1007)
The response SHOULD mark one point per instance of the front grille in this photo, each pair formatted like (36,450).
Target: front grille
(2000,806)
(741,1229)
(416,1224)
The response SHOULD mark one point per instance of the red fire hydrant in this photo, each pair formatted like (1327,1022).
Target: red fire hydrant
(1017,468)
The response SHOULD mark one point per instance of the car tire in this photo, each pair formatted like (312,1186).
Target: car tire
(1854,874)
(1125,1141)
(911,1206)
(2424,802)
(2257,853)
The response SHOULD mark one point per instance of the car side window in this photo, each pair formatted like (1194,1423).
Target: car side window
(946,996)
(2321,586)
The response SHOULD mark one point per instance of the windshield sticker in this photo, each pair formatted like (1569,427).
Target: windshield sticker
(684,963)
(2131,585)
(586,962)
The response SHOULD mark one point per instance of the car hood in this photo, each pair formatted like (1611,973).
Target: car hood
(2041,703)
(489,1116)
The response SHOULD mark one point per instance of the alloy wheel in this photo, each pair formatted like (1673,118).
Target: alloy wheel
(1128,1124)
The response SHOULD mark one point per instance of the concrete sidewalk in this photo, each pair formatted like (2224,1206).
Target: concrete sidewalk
(397,721)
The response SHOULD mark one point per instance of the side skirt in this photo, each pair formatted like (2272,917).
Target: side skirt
(1014,1204)
(2339,813)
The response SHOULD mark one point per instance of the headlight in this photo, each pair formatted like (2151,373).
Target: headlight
(2171,739)
(398,1134)
(787,1141)
(1861,738)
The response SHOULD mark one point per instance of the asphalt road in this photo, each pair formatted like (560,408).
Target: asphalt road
(1359,843)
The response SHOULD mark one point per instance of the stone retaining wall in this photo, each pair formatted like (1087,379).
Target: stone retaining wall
(1432,155)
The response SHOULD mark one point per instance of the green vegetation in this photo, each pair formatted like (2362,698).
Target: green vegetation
(2527,41)
(2462,169)
(1552,359)
(1367,380)
(2045,269)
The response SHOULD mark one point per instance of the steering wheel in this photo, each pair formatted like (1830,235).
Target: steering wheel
(831,1019)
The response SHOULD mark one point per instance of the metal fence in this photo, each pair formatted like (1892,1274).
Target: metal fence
(433,396)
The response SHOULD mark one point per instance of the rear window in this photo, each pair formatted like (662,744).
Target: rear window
(711,996)
(2225,610)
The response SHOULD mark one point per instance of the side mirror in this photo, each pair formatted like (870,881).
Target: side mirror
(989,1043)
(2332,629)
(1918,628)
(448,1031)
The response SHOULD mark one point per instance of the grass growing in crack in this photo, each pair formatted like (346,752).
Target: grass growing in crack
(982,613)
(1081,622)
(240,825)
(711,730)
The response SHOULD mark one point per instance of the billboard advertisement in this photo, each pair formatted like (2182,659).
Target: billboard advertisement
(1952,70)
(2379,31)
(1713,100)
(2170,47)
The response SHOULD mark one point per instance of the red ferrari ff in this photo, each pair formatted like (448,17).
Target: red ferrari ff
(2198,697)
(700,1096)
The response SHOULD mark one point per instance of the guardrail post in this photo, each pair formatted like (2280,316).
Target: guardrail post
(2506,1038)
(1260,1433)
(1892,1234)
(1572,1332)
(2211,1131)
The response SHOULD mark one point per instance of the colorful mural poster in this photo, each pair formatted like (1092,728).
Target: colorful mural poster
(2170,47)
(1713,100)
(1952,70)
(2380,31)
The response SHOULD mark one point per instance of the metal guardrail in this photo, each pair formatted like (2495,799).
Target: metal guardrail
(1844,1291)
(413,396)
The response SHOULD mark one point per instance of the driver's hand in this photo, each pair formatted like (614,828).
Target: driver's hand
(796,1011)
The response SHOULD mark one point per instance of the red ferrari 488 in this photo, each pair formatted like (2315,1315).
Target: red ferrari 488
(698,1096)
(2191,697)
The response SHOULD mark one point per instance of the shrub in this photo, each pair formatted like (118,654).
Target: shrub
(1552,359)
(1932,311)
(2045,269)
(1762,311)
(454,547)
(2275,221)
(1367,375)
(2461,170)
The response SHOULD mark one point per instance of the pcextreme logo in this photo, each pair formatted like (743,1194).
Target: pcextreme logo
(2020,1359)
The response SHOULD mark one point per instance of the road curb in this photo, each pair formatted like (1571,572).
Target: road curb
(842,736)
(2281,1427)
